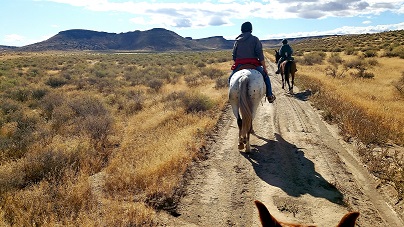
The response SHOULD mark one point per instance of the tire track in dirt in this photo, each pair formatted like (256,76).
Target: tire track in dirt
(299,167)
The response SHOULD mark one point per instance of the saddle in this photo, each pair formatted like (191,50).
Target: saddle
(247,66)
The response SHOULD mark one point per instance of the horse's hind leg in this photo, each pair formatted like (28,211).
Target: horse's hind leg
(293,81)
(247,143)
(283,80)
(240,139)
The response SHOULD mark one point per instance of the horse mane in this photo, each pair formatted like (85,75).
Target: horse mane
(267,220)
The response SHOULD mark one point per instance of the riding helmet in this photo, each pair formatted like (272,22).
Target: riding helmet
(284,41)
(246,27)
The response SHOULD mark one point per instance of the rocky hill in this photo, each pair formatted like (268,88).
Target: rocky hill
(157,39)
(5,48)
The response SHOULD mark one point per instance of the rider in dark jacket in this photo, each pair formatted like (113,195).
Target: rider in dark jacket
(285,52)
(247,49)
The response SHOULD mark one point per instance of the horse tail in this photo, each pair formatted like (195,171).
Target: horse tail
(287,69)
(245,106)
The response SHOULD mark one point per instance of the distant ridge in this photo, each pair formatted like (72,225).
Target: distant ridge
(5,48)
(154,40)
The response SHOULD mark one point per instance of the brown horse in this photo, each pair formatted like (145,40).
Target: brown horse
(267,220)
(287,68)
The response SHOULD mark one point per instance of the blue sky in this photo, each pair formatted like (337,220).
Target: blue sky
(24,22)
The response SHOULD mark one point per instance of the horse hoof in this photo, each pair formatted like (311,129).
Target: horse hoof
(240,146)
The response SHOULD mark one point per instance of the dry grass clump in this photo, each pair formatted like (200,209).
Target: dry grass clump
(100,139)
(399,85)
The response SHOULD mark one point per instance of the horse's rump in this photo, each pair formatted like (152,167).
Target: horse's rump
(247,88)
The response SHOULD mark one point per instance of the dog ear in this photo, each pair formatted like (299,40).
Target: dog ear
(267,220)
(348,220)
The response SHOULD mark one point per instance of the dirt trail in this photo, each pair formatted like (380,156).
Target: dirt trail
(299,168)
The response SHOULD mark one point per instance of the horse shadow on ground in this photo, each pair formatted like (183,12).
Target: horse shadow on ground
(304,95)
(283,165)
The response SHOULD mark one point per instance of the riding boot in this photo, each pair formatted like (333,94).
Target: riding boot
(279,63)
(271,97)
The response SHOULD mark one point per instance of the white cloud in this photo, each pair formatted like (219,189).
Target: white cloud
(367,22)
(183,14)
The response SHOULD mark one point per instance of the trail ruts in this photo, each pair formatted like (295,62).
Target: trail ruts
(299,168)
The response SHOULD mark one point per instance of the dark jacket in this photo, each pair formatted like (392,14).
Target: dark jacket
(247,46)
(286,51)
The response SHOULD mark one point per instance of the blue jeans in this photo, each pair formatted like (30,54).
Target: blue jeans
(264,75)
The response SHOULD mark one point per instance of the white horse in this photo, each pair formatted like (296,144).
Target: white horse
(247,87)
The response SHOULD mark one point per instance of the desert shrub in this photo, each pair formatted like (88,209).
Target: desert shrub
(92,118)
(370,53)
(19,94)
(49,102)
(56,81)
(192,80)
(35,72)
(399,85)
(135,103)
(399,51)
(372,62)
(39,93)
(17,130)
(312,58)
(155,84)
(197,102)
(50,204)
(48,163)
(360,65)
(61,116)
(395,52)
(200,64)
(221,82)
(212,73)
(335,59)
(333,69)
(174,100)
(180,70)
(98,128)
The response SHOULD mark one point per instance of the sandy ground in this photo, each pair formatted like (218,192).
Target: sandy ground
(299,167)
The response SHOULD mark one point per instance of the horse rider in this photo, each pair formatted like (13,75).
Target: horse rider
(285,52)
(247,49)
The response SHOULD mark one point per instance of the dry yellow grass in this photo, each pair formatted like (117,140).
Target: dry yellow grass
(67,178)
(367,110)
(377,96)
